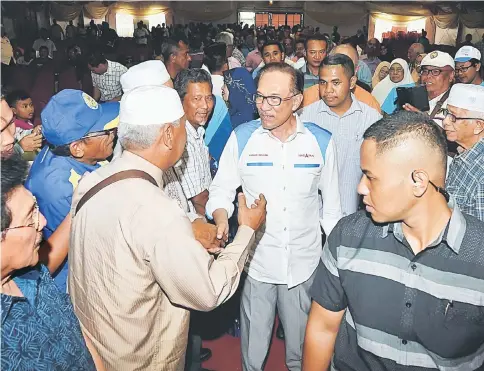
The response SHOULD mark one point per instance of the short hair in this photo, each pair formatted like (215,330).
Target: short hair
(393,130)
(16,95)
(339,60)
(262,37)
(139,137)
(474,61)
(297,77)
(225,37)
(191,76)
(316,37)
(301,41)
(170,46)
(273,42)
(43,47)
(215,62)
(96,58)
(13,173)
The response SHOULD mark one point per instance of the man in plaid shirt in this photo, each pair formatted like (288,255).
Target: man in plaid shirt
(464,124)
(106,78)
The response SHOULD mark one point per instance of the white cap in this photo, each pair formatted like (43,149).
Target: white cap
(467,53)
(438,59)
(147,73)
(467,96)
(150,105)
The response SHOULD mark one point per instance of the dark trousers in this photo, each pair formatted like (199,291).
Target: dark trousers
(194,346)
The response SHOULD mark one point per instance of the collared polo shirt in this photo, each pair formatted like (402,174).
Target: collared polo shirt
(309,78)
(109,83)
(465,180)
(405,311)
(289,174)
(347,132)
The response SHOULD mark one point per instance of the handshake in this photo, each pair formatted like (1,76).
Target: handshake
(213,238)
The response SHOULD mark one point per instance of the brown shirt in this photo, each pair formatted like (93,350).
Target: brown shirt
(134,265)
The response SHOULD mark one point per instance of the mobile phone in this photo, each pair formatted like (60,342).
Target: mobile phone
(416,96)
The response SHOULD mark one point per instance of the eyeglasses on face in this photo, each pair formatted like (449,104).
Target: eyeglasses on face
(12,121)
(101,133)
(434,72)
(463,69)
(453,118)
(35,220)
(272,100)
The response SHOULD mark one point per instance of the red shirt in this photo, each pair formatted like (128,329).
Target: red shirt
(26,125)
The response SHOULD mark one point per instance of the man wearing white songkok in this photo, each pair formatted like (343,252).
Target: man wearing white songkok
(144,74)
(464,124)
(135,264)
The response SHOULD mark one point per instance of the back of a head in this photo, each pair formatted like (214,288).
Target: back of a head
(297,77)
(225,37)
(340,60)
(215,63)
(403,127)
(186,77)
(348,50)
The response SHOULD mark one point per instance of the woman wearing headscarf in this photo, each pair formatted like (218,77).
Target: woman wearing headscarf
(238,92)
(381,72)
(399,75)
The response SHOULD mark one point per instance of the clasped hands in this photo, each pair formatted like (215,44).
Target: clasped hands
(214,237)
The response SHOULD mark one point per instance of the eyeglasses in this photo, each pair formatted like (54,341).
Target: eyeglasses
(463,69)
(453,118)
(272,100)
(100,133)
(35,220)
(8,125)
(434,72)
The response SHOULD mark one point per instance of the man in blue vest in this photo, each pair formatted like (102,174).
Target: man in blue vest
(80,134)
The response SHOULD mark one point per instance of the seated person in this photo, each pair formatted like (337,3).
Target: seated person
(79,133)
(39,328)
(43,58)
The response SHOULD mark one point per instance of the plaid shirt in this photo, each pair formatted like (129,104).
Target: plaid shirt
(109,82)
(194,170)
(309,78)
(466,180)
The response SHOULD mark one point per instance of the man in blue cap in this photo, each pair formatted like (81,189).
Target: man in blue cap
(80,134)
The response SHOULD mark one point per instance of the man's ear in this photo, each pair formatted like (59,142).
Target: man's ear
(479,127)
(420,180)
(353,82)
(283,56)
(77,148)
(167,136)
(296,102)
(14,110)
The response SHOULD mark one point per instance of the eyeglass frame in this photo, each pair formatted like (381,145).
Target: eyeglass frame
(453,118)
(100,133)
(12,121)
(35,224)
(464,69)
(273,96)
(430,72)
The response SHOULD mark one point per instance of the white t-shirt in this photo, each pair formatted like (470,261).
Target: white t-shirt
(141,36)
(47,43)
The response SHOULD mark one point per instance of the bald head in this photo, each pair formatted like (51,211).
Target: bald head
(414,50)
(349,51)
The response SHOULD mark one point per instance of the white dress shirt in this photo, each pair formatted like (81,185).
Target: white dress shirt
(432,103)
(289,174)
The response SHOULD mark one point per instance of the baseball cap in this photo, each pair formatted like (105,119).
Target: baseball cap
(71,114)
(467,96)
(137,106)
(143,74)
(467,53)
(438,59)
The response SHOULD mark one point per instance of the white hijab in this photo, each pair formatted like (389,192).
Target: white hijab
(383,88)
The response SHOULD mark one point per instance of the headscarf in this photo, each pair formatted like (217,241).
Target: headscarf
(241,88)
(376,76)
(381,90)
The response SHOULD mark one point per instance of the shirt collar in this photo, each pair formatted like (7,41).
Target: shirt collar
(195,133)
(473,154)
(300,128)
(452,234)
(355,106)
(139,163)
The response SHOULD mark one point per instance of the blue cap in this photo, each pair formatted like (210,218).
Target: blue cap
(71,114)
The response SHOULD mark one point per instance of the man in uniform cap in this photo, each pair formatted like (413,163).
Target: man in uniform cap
(80,134)
(468,66)
(464,124)
(135,265)
(437,73)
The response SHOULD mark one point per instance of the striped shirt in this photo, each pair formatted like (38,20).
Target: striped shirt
(309,78)
(404,311)
(466,180)
(109,83)
(347,133)
(194,170)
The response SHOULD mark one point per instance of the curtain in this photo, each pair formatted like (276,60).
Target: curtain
(65,11)
(446,20)
(338,13)
(204,11)
(95,10)
(399,9)
(141,8)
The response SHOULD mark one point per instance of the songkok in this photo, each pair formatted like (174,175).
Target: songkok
(467,53)
(150,105)
(438,59)
(143,74)
(71,114)
(467,96)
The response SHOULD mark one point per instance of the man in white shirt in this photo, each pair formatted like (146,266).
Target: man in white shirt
(44,41)
(141,35)
(106,78)
(289,162)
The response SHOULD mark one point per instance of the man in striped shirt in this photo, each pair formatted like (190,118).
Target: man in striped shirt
(346,118)
(404,289)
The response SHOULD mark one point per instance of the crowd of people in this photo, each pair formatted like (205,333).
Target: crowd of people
(270,168)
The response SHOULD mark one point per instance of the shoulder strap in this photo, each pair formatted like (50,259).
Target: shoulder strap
(439,104)
(126,174)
